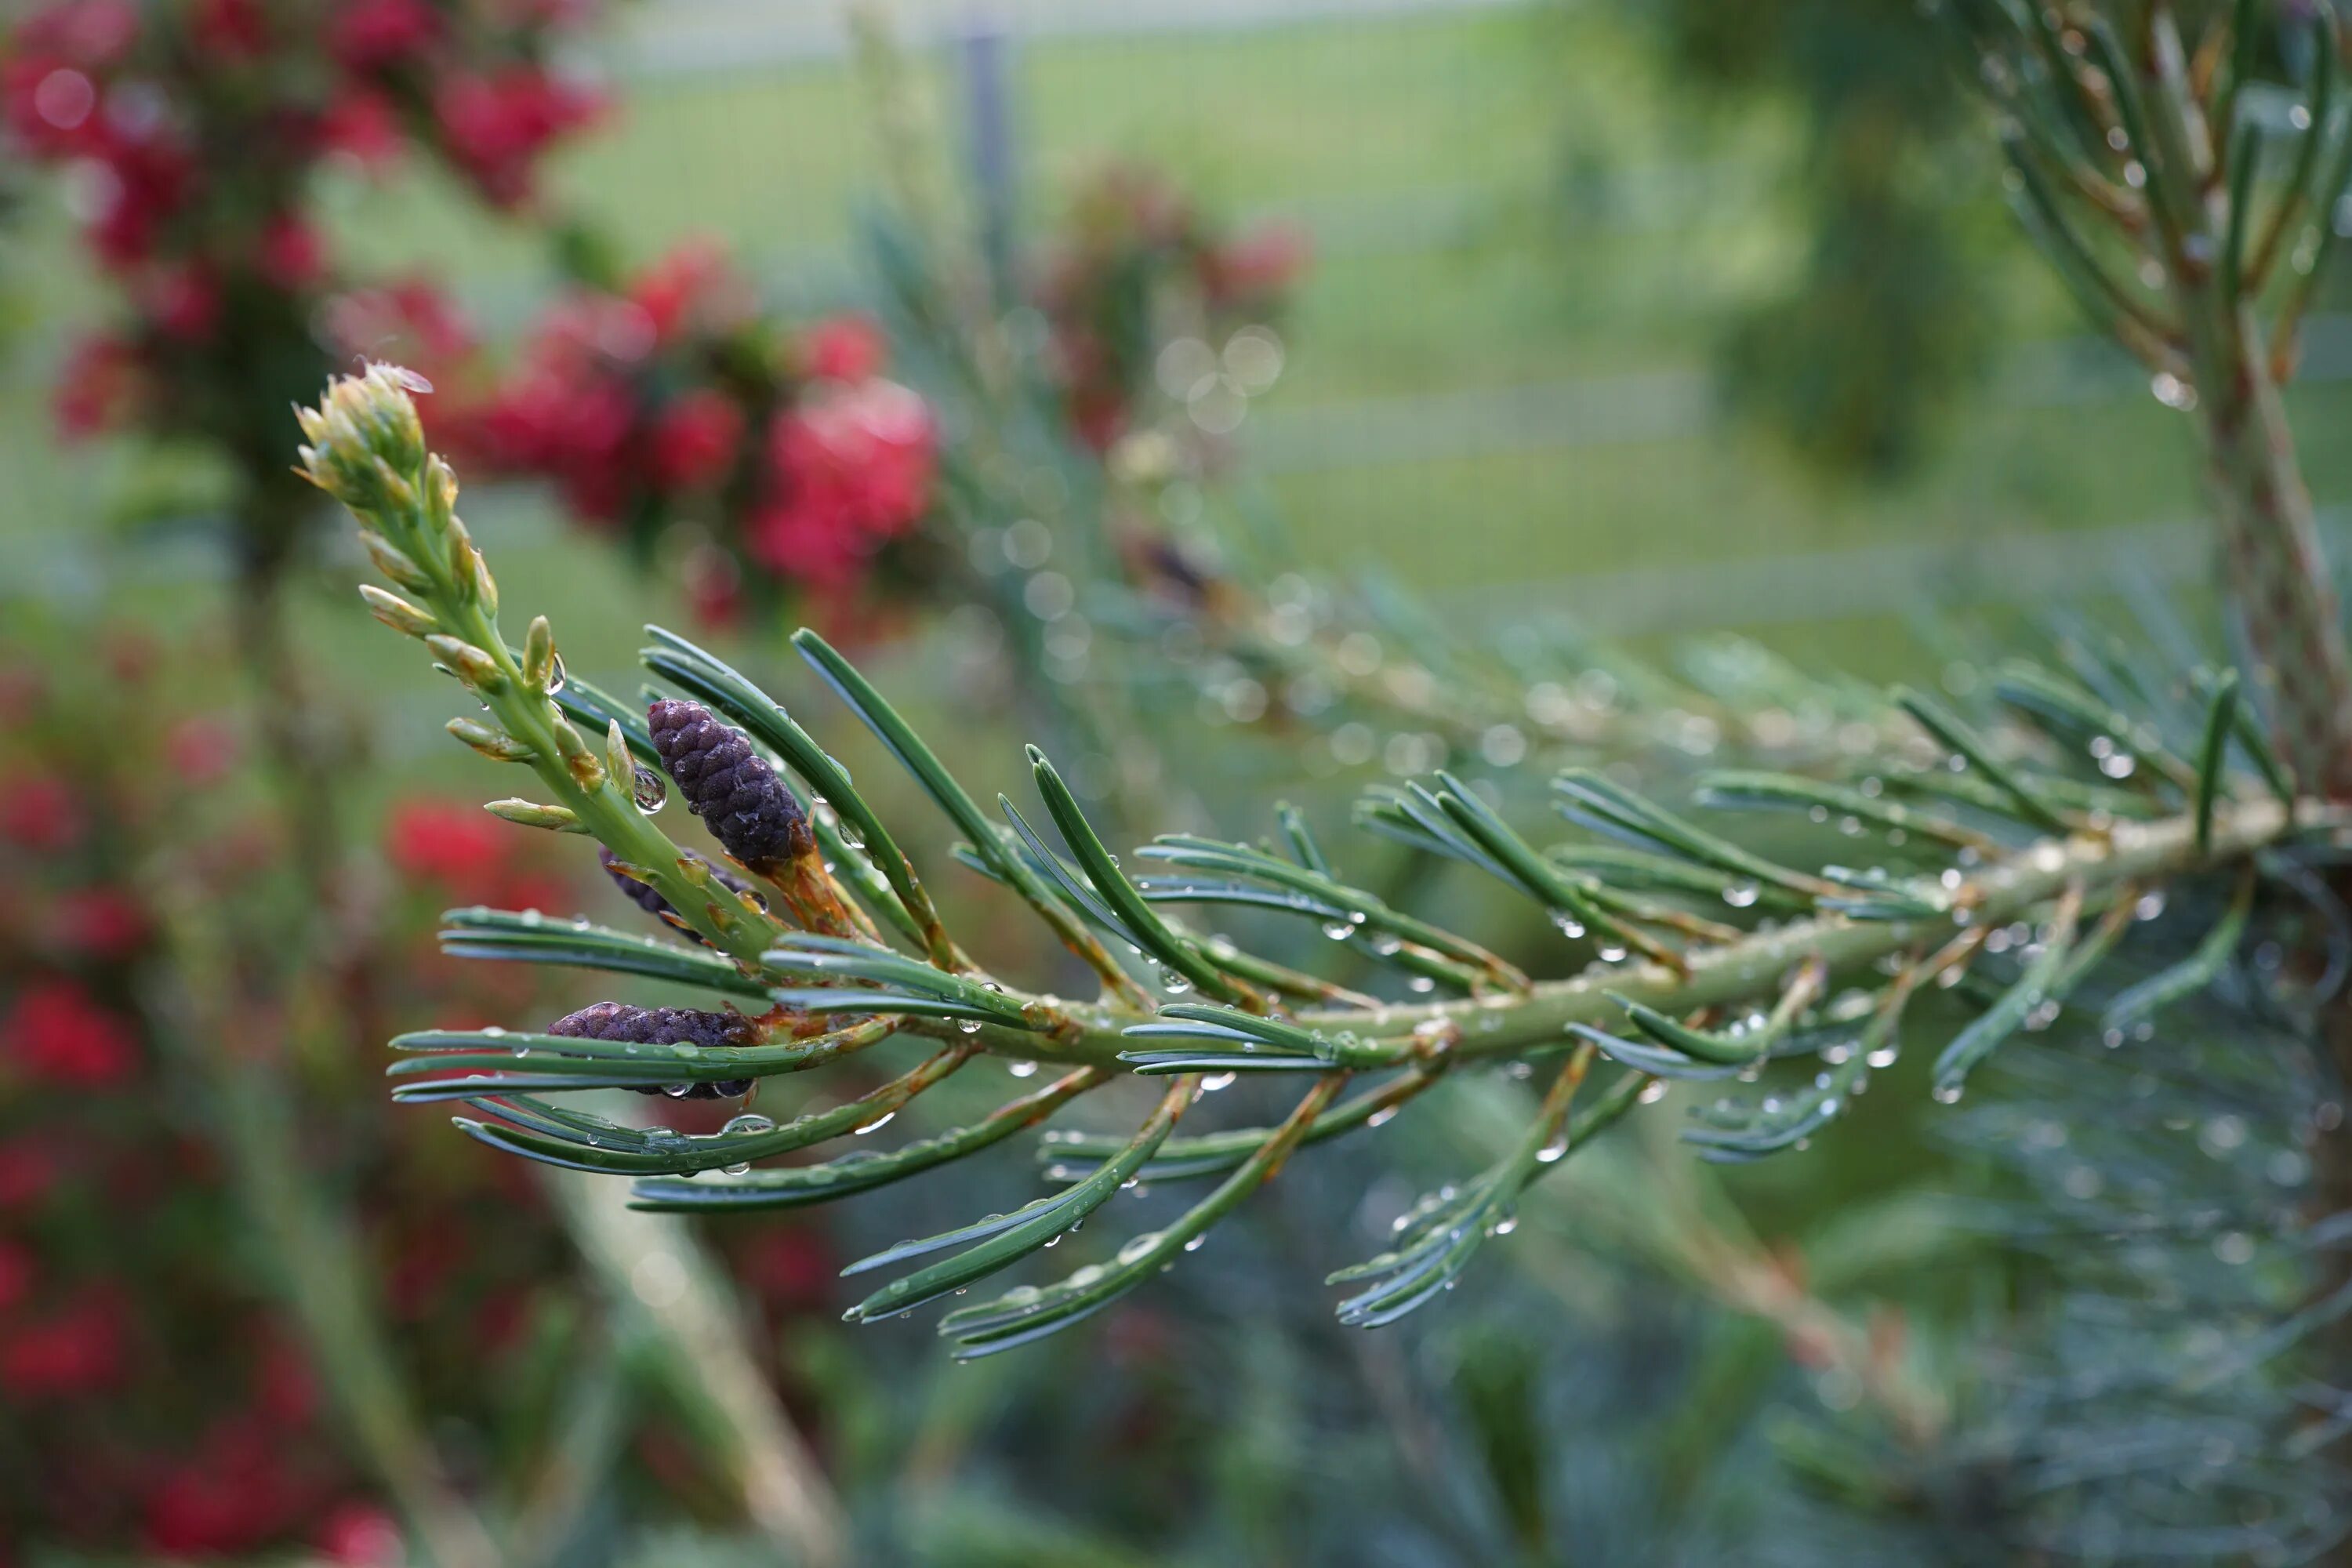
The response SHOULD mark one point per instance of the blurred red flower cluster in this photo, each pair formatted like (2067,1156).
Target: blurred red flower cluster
(158,1402)
(1136,265)
(672,403)
(460,854)
(191,132)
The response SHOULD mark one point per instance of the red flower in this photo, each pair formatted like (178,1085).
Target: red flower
(146,178)
(77,1349)
(194,1510)
(290,254)
(499,1320)
(60,1035)
(52,78)
(421,1269)
(1257,265)
(184,303)
(40,813)
(1098,416)
(815,545)
(568,417)
(230,29)
(461,849)
(287,1394)
(84,32)
(495,126)
(854,469)
(695,286)
(362,125)
(529,890)
(793,1267)
(101,923)
(693,440)
(238,1490)
(370,35)
(28,1171)
(362,1535)
(52,107)
(846,348)
(714,586)
(96,385)
(200,749)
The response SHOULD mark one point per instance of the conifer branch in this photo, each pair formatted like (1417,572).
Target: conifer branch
(2188,288)
(2000,854)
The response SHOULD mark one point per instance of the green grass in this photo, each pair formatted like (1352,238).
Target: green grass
(1507,199)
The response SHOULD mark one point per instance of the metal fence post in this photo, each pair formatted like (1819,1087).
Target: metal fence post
(984,57)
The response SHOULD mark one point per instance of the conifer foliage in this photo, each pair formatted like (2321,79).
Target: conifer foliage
(2042,832)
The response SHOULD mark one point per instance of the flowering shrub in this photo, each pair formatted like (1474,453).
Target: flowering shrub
(1142,287)
(159,1400)
(192,131)
(222,1455)
(671,401)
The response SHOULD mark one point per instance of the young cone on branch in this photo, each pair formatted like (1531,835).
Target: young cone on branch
(664,1026)
(738,795)
(2018,874)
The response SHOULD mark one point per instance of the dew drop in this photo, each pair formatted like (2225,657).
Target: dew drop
(649,789)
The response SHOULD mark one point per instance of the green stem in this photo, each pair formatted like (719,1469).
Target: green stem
(1497,1026)
(2270,539)
(657,1276)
